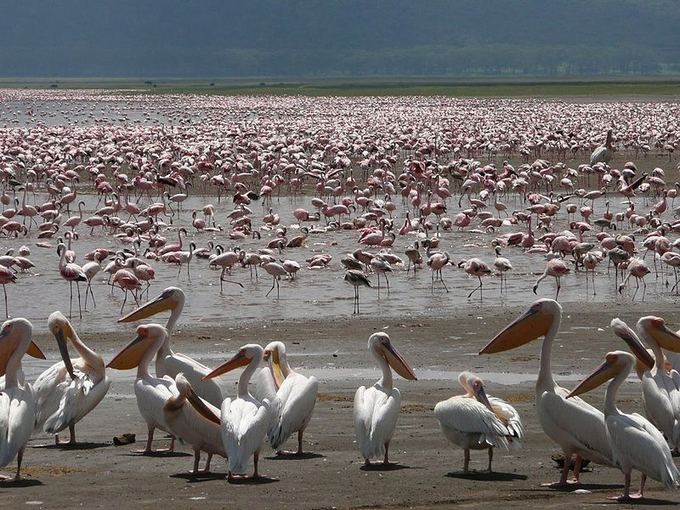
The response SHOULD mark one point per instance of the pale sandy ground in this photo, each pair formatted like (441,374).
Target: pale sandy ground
(100,475)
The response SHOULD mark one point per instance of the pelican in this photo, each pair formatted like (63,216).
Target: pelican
(295,392)
(635,442)
(660,394)
(245,420)
(152,392)
(376,408)
(197,424)
(17,400)
(171,363)
(476,421)
(67,391)
(573,424)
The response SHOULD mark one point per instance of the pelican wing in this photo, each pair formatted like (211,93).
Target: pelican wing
(62,401)
(509,416)
(375,417)
(17,416)
(637,443)
(177,363)
(152,394)
(262,385)
(244,426)
(574,424)
(297,396)
(658,406)
(469,416)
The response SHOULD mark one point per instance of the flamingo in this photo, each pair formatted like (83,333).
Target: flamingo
(475,267)
(356,279)
(71,273)
(555,268)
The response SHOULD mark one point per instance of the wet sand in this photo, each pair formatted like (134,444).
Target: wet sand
(428,473)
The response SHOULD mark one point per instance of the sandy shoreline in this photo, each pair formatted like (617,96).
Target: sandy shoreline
(428,474)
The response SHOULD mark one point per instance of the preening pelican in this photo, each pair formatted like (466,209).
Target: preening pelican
(376,408)
(152,392)
(295,392)
(573,424)
(634,441)
(195,422)
(660,394)
(67,391)
(17,400)
(172,363)
(476,421)
(245,420)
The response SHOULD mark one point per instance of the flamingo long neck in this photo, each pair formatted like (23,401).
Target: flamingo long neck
(242,387)
(386,380)
(62,260)
(545,379)
(610,394)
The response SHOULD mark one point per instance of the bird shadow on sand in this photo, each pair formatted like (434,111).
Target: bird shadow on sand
(200,477)
(158,454)
(379,466)
(295,456)
(642,501)
(24,482)
(585,486)
(485,476)
(260,480)
(75,447)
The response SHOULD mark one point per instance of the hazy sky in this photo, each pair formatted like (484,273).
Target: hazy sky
(336,37)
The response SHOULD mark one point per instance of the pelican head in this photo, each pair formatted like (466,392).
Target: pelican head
(532,324)
(614,363)
(275,354)
(657,330)
(645,361)
(474,385)
(170,298)
(381,345)
(62,330)
(245,356)
(13,333)
(148,336)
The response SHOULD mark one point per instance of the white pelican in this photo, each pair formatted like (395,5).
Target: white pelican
(476,421)
(573,424)
(67,391)
(245,420)
(295,392)
(635,442)
(172,363)
(376,408)
(152,392)
(17,400)
(660,394)
(197,424)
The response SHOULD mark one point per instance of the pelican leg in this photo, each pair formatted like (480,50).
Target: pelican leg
(197,459)
(299,450)
(20,457)
(386,460)
(490,459)
(256,458)
(565,473)
(577,469)
(643,479)
(149,440)
(206,468)
(466,461)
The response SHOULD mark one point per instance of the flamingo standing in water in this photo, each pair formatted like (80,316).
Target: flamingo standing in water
(6,276)
(555,268)
(71,273)
(356,279)
(475,267)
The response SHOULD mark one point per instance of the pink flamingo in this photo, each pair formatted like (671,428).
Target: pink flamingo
(637,268)
(128,282)
(71,273)
(555,268)
(478,268)
(6,276)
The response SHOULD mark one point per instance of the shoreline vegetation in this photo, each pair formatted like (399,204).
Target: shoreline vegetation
(667,86)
